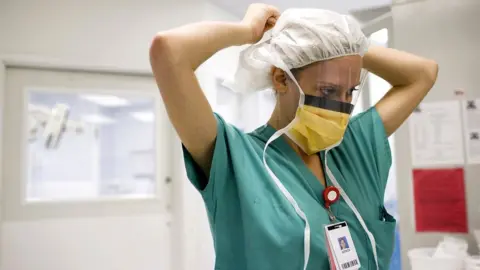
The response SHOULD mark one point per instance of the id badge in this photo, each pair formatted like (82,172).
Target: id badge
(341,250)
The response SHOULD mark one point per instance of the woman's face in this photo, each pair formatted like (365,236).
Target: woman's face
(333,79)
(343,244)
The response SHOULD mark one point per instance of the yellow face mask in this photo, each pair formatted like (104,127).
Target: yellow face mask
(320,124)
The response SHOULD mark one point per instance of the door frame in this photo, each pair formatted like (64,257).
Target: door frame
(32,62)
(16,61)
(7,62)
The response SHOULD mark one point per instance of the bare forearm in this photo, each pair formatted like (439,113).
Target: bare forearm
(195,43)
(411,76)
(397,67)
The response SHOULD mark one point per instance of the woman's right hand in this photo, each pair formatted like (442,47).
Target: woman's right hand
(176,54)
(259,19)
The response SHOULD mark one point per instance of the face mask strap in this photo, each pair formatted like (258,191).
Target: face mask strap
(289,197)
(306,241)
(301,100)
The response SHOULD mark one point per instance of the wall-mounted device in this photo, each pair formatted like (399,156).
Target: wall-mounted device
(54,122)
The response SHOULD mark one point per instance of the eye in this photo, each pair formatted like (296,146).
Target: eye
(328,91)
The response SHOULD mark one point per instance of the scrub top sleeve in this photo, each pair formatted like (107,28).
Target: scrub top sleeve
(369,129)
(219,167)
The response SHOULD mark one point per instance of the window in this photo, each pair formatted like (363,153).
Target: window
(96,154)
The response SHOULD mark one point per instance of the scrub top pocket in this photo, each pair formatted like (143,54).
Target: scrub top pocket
(383,230)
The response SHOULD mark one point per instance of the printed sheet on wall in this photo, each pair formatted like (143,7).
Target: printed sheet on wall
(436,134)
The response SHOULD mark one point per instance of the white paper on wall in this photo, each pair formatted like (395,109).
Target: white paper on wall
(436,134)
(471,114)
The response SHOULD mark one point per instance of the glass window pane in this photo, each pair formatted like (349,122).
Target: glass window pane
(105,148)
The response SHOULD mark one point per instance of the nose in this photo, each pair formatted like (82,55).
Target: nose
(345,98)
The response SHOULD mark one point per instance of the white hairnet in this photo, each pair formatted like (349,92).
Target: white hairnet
(300,37)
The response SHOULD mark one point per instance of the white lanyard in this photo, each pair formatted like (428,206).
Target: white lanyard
(354,209)
(300,212)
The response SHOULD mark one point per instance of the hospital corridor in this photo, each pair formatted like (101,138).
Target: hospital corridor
(239,135)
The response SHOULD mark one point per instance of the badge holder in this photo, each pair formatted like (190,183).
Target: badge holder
(330,196)
(341,250)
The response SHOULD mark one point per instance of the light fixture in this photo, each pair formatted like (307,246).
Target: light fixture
(145,116)
(106,100)
(97,119)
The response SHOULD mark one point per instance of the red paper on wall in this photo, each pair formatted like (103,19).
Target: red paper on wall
(439,198)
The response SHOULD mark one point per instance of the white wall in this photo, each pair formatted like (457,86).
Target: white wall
(446,31)
(112,35)
(110,243)
(344,6)
(90,33)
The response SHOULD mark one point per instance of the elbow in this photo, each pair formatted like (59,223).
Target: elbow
(430,73)
(164,50)
(159,46)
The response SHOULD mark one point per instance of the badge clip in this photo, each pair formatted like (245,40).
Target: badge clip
(330,196)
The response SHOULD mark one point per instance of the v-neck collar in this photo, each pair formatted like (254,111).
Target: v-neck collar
(266,131)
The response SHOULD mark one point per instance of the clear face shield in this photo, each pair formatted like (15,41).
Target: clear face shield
(327,94)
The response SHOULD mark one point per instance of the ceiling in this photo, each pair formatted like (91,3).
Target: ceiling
(238,7)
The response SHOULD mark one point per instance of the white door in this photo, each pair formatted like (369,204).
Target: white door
(97,200)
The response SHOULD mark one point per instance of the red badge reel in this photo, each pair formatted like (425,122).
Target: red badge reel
(330,195)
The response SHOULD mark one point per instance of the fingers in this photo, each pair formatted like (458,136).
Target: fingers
(273,14)
(273,11)
(262,17)
(271,21)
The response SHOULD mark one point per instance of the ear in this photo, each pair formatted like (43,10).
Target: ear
(279,80)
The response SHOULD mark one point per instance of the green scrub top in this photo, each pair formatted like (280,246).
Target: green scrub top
(254,227)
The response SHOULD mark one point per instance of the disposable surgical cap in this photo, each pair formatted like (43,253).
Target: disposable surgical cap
(299,38)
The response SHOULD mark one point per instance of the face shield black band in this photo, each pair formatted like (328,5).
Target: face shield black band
(329,104)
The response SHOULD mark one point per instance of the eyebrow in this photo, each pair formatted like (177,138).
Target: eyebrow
(335,85)
(329,84)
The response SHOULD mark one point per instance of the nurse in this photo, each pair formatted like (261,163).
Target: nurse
(275,196)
